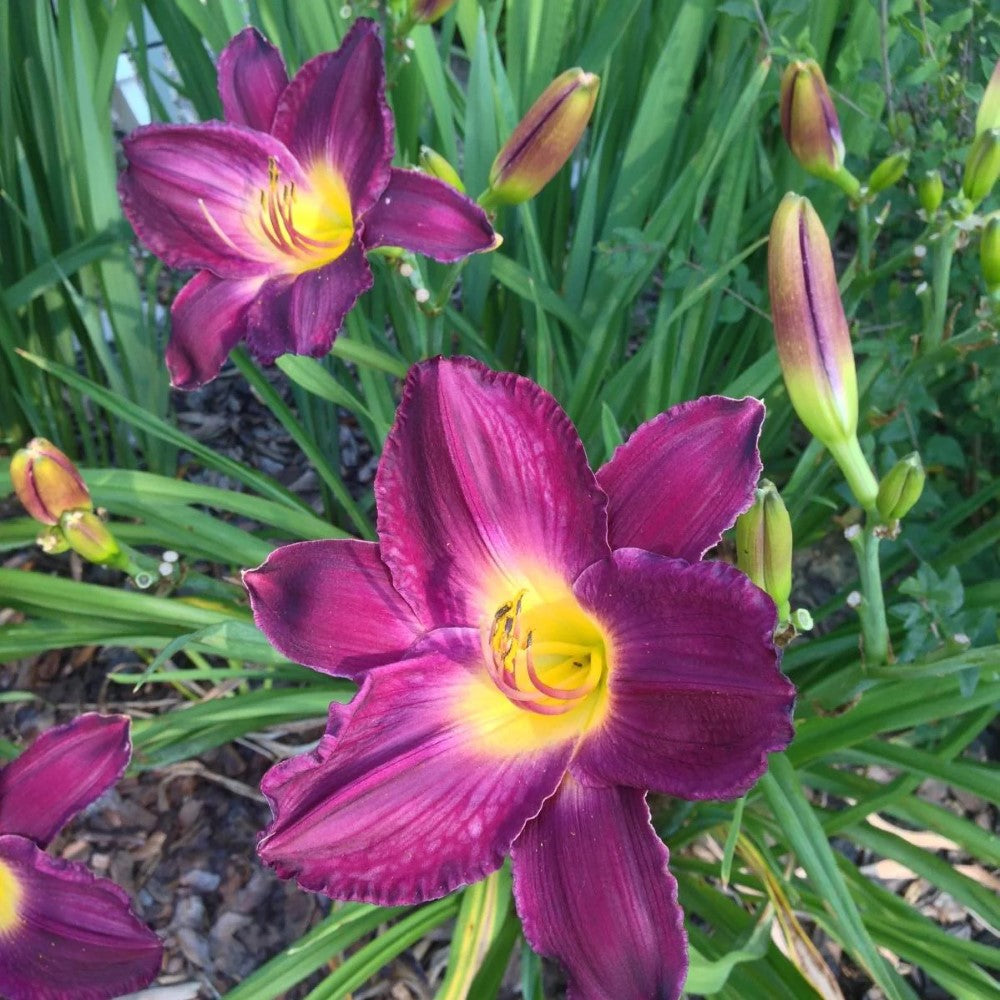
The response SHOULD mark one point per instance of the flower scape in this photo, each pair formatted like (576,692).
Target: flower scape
(536,646)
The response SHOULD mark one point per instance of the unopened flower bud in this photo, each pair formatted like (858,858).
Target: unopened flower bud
(428,11)
(814,343)
(764,546)
(888,172)
(47,482)
(989,253)
(982,166)
(930,191)
(901,487)
(809,119)
(989,110)
(89,536)
(433,163)
(544,138)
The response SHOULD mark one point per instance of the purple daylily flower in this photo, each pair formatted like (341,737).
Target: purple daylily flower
(65,934)
(278,205)
(536,646)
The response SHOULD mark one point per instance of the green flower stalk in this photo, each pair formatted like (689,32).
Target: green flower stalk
(429,11)
(989,254)
(989,109)
(930,191)
(811,127)
(89,537)
(889,172)
(764,546)
(544,139)
(433,163)
(901,488)
(46,482)
(982,166)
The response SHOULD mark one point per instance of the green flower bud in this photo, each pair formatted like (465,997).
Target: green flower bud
(930,191)
(46,482)
(52,541)
(428,11)
(544,138)
(809,119)
(433,163)
(89,536)
(764,546)
(989,110)
(888,172)
(982,166)
(901,488)
(989,253)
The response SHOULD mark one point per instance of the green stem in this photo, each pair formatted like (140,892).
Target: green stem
(874,629)
(864,239)
(944,250)
(443,297)
(857,472)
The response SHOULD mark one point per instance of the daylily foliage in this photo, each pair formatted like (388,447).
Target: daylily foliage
(536,646)
(277,206)
(64,933)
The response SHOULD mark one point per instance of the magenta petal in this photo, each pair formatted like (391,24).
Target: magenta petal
(334,112)
(252,77)
(303,314)
(696,699)
(189,191)
(427,216)
(75,936)
(593,891)
(65,769)
(332,606)
(207,320)
(404,803)
(683,477)
(483,482)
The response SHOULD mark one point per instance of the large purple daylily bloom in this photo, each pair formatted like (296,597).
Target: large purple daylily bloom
(536,647)
(278,205)
(65,934)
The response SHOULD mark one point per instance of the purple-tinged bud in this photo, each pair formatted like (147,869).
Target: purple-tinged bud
(888,172)
(809,120)
(982,167)
(930,191)
(433,163)
(901,488)
(989,110)
(46,482)
(429,11)
(989,253)
(764,546)
(813,340)
(544,138)
(89,536)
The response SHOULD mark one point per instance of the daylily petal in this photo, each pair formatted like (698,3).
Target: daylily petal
(65,769)
(302,314)
(68,935)
(252,77)
(410,799)
(593,891)
(207,320)
(191,191)
(483,482)
(334,112)
(684,477)
(696,699)
(331,605)
(429,217)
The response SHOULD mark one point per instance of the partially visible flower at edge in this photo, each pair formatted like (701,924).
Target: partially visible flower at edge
(429,11)
(65,934)
(278,205)
(536,646)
